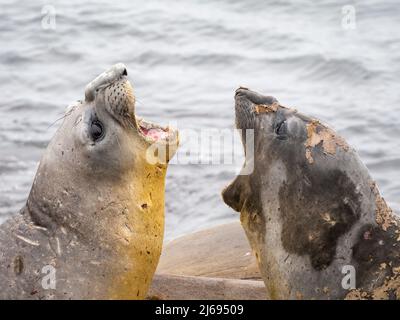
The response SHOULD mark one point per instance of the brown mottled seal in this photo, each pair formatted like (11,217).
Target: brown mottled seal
(311,210)
(92,227)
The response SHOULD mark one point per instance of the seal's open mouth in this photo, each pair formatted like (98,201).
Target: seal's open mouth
(152,132)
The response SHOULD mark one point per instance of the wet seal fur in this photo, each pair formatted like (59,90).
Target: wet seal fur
(310,208)
(94,219)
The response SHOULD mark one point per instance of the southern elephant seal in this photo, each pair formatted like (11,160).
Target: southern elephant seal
(93,224)
(313,215)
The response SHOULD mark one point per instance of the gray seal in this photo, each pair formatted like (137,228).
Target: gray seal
(92,227)
(313,215)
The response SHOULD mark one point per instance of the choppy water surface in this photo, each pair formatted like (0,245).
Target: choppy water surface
(185,59)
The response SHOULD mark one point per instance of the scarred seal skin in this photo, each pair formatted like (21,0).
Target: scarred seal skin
(310,208)
(93,224)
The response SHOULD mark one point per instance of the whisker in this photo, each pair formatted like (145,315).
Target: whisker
(139,102)
(129,121)
(119,145)
(63,117)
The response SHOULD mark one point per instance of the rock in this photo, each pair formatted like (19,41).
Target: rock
(215,263)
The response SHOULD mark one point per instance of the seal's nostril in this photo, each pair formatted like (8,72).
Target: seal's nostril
(125,73)
(241,91)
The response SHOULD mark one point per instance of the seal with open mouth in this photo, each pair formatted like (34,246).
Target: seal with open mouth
(93,224)
(311,211)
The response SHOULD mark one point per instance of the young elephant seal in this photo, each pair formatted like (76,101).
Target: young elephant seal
(92,227)
(313,215)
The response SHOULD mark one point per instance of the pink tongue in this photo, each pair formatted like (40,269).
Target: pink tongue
(155,134)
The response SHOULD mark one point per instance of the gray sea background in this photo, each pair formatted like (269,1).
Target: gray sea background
(185,59)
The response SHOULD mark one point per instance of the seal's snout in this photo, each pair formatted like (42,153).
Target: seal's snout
(115,73)
(254,97)
(113,90)
(241,91)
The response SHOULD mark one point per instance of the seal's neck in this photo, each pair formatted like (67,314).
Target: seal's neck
(122,220)
(86,208)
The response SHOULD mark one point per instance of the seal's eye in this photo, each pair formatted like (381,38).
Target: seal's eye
(281,129)
(96,130)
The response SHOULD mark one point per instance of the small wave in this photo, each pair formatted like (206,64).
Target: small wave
(317,67)
(7,167)
(21,105)
(154,58)
(14,58)
(385,164)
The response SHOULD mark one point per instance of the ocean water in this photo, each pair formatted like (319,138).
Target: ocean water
(185,59)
